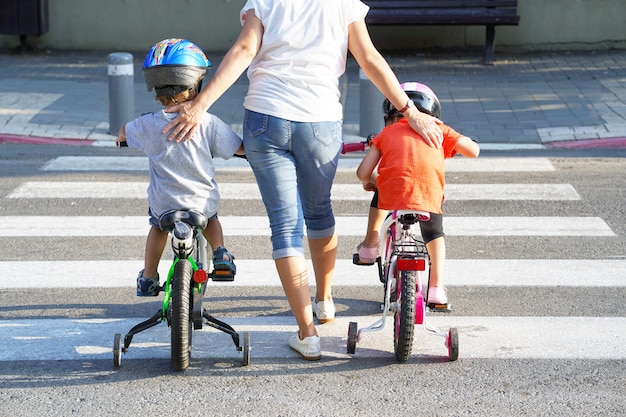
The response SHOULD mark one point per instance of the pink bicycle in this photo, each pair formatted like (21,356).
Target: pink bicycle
(402,268)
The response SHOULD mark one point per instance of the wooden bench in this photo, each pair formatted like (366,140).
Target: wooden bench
(489,13)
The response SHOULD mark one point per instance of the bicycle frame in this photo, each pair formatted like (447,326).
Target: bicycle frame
(187,242)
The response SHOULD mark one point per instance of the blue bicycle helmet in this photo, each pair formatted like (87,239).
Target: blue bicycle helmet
(424,98)
(174,65)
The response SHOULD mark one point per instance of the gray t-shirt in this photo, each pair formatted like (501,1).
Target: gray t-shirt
(182,173)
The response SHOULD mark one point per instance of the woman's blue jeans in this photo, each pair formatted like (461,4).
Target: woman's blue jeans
(294,164)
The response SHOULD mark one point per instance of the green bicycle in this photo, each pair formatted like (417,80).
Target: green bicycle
(184,292)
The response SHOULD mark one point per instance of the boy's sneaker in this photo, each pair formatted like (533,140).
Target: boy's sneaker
(147,287)
(223,269)
(308,348)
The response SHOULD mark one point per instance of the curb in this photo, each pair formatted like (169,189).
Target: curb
(611,143)
(36,140)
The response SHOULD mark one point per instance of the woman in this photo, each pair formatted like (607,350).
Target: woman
(295,52)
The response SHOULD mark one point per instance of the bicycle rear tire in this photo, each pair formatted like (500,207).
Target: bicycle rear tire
(404,317)
(181,324)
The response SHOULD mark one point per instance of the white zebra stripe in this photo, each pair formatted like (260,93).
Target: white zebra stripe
(479,337)
(140,163)
(262,273)
(250,191)
(14,226)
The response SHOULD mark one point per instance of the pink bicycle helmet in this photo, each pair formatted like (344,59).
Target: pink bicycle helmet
(424,98)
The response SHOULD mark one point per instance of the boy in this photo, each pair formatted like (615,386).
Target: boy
(181,173)
(410,176)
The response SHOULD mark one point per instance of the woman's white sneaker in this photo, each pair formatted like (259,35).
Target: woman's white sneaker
(323,310)
(308,348)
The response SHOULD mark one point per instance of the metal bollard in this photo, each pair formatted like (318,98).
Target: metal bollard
(121,90)
(370,108)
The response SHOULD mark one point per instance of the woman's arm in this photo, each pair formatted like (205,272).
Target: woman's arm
(382,76)
(235,62)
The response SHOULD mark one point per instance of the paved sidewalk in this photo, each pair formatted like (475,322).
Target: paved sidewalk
(524,101)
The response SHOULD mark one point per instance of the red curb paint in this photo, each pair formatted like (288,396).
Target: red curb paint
(589,143)
(35,140)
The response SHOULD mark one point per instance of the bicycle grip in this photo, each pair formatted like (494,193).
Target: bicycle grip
(352,147)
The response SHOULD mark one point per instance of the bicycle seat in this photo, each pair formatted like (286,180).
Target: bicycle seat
(408,217)
(192,218)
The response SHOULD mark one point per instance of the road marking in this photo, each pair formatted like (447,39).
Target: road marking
(508,192)
(140,163)
(526,226)
(479,337)
(97,163)
(488,164)
(14,226)
(84,189)
(250,191)
(262,273)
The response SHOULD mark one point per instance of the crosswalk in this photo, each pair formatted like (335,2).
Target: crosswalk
(481,336)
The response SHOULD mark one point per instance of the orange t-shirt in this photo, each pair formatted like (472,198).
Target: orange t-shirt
(410,173)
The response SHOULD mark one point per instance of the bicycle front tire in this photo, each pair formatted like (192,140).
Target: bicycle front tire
(181,324)
(404,318)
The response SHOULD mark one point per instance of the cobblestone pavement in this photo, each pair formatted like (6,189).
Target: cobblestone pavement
(525,100)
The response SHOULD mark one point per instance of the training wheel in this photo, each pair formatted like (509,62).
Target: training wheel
(452,342)
(117,350)
(246,348)
(353,334)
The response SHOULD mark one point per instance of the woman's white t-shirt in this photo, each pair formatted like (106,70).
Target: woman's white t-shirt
(295,75)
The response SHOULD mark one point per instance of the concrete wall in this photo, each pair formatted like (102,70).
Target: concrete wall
(544,25)
(134,25)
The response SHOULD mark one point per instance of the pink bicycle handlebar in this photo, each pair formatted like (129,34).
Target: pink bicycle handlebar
(357,147)
(352,147)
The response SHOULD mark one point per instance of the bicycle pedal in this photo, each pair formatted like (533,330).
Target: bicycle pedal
(439,308)
(222,275)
